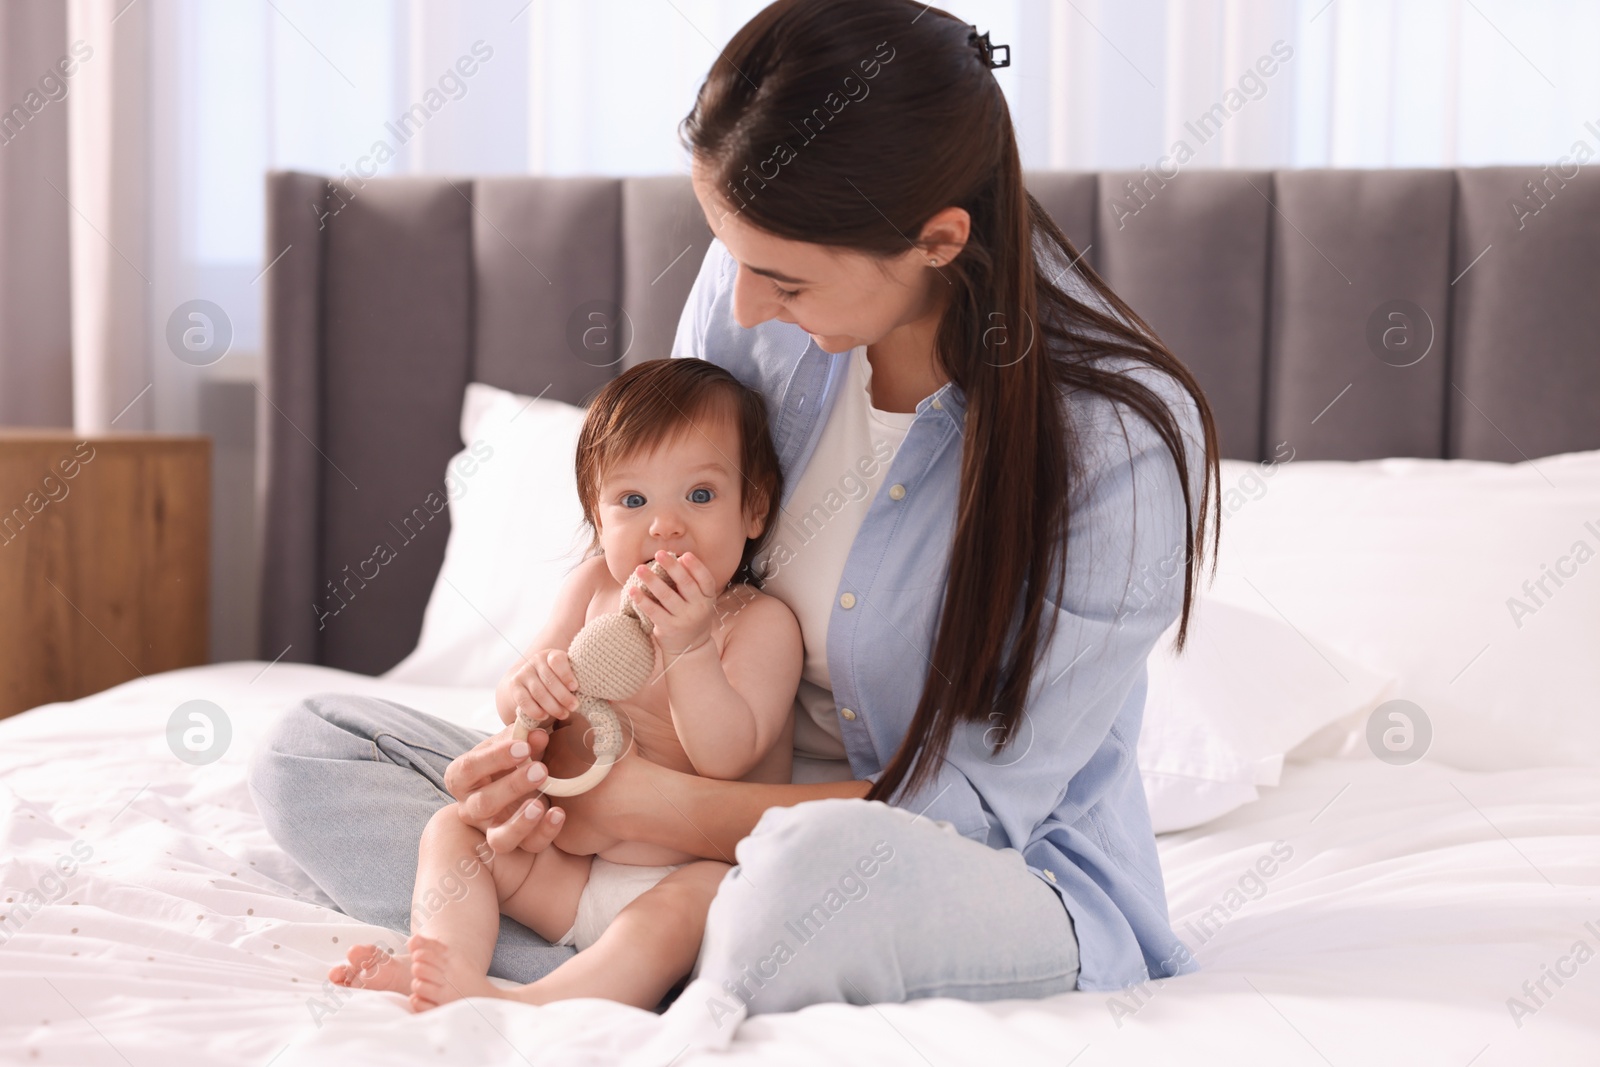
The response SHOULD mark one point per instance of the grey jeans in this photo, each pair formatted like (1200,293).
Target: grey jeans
(831,900)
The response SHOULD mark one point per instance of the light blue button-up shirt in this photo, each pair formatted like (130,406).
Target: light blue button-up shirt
(1066,791)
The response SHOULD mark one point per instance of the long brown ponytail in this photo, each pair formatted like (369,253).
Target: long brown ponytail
(850,123)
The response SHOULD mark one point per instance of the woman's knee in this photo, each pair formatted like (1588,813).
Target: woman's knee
(296,729)
(821,852)
(283,737)
(319,726)
(298,742)
(817,890)
(836,828)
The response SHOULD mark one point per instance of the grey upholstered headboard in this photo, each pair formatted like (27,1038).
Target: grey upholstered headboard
(1275,287)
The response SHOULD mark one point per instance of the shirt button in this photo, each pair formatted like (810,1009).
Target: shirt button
(937,406)
(1048,873)
(847,715)
(897,491)
(848,600)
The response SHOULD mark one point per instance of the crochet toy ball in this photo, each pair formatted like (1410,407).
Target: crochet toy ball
(612,657)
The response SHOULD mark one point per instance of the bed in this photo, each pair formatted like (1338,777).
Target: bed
(1410,910)
(1350,899)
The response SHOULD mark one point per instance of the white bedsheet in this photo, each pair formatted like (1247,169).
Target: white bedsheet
(1415,903)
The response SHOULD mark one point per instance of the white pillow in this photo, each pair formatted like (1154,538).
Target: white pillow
(516,532)
(1427,570)
(1308,549)
(1220,719)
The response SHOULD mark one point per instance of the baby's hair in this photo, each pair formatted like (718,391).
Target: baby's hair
(655,403)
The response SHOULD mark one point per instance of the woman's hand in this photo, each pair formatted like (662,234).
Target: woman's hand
(542,684)
(494,792)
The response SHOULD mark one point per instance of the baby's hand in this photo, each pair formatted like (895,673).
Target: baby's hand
(542,685)
(680,618)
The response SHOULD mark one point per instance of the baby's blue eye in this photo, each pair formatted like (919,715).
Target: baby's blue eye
(629,496)
(700,500)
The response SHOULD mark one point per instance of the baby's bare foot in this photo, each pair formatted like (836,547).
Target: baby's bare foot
(439,975)
(373,967)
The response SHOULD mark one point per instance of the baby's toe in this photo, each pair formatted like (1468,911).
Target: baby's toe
(428,989)
(363,957)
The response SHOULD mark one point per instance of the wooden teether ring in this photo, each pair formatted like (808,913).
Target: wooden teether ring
(612,657)
(607,746)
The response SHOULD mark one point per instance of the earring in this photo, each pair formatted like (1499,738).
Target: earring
(933,262)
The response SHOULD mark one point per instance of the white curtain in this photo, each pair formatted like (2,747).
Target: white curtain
(559,87)
(109,200)
(186,104)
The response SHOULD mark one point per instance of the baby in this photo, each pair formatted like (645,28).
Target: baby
(674,464)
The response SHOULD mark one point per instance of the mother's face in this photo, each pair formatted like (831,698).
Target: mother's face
(841,298)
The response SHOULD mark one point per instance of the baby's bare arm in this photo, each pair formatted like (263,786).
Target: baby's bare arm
(541,680)
(729,712)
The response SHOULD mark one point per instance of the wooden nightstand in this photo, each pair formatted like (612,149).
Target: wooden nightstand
(104,561)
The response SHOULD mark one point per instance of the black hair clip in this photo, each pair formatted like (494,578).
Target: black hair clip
(986,50)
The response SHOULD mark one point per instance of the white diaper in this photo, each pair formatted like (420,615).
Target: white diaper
(611,887)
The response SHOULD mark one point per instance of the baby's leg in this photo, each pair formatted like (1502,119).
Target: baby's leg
(538,890)
(452,891)
(651,944)
(457,899)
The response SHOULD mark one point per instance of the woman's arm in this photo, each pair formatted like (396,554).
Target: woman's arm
(643,801)
(638,801)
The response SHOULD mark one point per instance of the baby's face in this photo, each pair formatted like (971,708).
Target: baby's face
(684,497)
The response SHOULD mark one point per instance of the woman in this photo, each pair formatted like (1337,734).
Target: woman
(993,467)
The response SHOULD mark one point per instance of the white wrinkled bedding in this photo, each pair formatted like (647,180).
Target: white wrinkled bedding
(1412,904)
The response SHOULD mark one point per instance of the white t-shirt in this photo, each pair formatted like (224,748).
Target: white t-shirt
(817,528)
